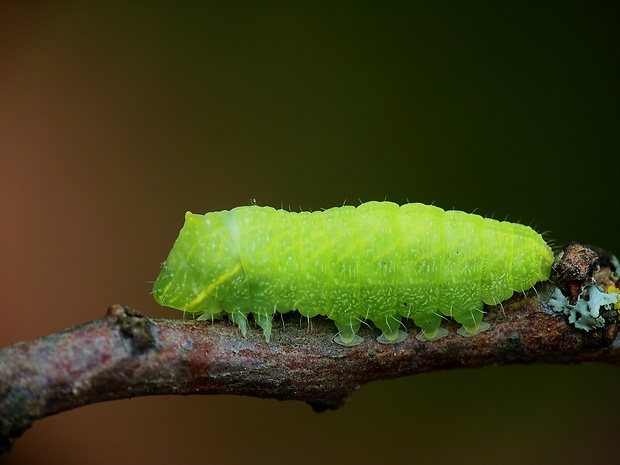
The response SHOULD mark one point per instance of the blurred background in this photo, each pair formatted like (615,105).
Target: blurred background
(116,119)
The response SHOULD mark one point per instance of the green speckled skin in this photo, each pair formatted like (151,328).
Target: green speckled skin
(378,261)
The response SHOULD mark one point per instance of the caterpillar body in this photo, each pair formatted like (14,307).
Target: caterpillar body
(378,261)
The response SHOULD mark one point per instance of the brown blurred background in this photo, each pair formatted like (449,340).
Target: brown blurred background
(115,120)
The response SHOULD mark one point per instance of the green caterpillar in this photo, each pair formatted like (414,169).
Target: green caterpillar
(378,261)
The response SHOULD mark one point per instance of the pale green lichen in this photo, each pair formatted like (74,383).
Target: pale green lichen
(615,290)
(586,313)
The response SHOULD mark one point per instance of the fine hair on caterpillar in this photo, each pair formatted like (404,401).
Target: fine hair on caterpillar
(378,261)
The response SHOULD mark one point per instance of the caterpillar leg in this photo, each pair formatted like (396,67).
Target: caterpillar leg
(431,329)
(347,333)
(391,333)
(264,321)
(210,309)
(472,323)
(240,320)
(206,316)
(472,330)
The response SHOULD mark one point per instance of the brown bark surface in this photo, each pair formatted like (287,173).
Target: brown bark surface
(126,354)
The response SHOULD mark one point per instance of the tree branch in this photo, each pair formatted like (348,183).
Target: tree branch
(126,354)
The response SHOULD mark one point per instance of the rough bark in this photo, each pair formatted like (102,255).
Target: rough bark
(126,354)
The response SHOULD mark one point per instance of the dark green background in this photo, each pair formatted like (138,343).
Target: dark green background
(115,120)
